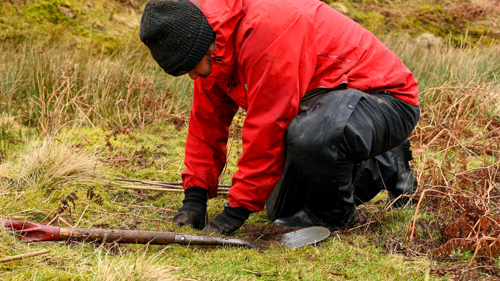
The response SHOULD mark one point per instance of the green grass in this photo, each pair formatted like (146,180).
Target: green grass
(342,256)
(369,253)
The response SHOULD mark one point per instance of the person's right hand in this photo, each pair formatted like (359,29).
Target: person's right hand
(194,210)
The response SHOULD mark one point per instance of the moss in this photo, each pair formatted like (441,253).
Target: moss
(49,10)
(416,17)
(478,30)
(428,8)
(71,21)
(104,26)
(371,20)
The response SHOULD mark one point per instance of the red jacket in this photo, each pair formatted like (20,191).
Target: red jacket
(269,53)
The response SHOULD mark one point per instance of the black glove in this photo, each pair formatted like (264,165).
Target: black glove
(228,221)
(194,210)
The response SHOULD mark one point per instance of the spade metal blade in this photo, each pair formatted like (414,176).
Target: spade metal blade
(305,236)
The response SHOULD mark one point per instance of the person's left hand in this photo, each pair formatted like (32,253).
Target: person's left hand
(228,221)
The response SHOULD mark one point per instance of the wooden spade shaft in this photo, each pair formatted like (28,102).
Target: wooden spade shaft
(146,237)
(34,232)
(115,235)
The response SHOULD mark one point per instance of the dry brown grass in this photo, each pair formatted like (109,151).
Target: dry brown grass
(10,132)
(53,85)
(51,164)
(8,122)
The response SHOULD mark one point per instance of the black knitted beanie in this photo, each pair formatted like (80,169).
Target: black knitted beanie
(177,34)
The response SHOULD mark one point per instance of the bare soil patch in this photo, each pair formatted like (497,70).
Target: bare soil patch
(267,235)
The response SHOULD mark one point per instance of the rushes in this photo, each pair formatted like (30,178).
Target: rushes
(54,84)
(51,85)
(452,67)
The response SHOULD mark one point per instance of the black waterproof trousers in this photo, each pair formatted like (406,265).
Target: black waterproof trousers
(341,152)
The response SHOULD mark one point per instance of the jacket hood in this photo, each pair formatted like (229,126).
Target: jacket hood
(223,16)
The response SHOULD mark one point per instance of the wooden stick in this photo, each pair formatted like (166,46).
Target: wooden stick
(158,188)
(49,215)
(78,222)
(53,220)
(160,182)
(42,252)
(150,187)
(65,222)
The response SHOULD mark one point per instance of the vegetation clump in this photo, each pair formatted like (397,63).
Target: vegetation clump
(50,165)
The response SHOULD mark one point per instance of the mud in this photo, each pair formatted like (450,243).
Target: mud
(265,236)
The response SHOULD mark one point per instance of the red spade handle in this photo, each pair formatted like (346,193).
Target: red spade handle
(33,232)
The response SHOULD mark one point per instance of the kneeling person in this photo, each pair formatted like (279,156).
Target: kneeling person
(324,97)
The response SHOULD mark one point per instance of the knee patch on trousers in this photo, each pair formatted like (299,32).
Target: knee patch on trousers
(313,137)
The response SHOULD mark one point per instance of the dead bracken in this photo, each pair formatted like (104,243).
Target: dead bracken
(461,178)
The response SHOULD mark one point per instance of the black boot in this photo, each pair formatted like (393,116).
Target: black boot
(306,218)
(346,216)
(406,182)
(194,210)
(302,218)
(329,203)
(290,193)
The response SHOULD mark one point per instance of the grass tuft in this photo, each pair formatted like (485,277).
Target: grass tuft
(51,164)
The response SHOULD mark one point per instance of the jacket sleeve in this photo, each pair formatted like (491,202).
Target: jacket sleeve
(206,144)
(278,57)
